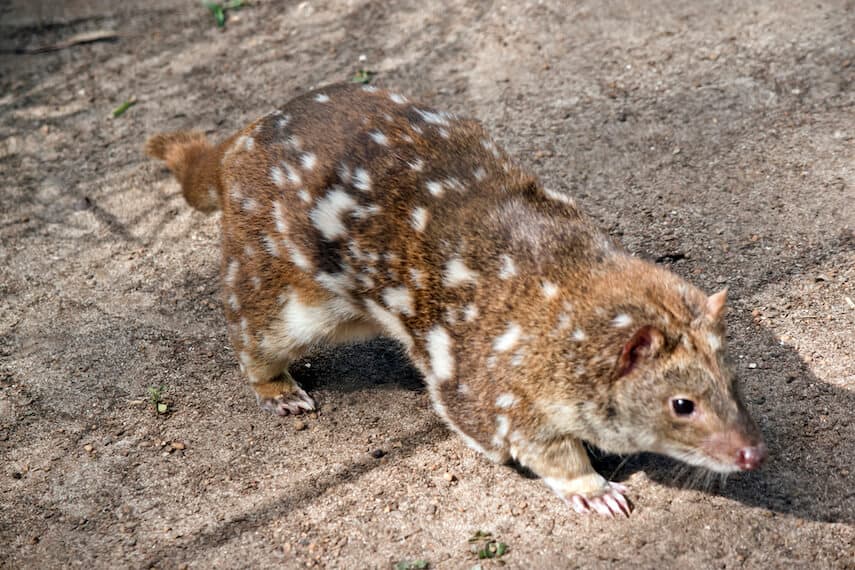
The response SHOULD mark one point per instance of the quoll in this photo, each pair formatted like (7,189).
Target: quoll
(353,212)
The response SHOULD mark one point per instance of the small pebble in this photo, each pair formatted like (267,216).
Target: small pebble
(88,447)
(300,425)
(449,477)
(378,453)
(752,365)
(178,445)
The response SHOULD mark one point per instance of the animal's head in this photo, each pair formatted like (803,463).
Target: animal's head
(672,379)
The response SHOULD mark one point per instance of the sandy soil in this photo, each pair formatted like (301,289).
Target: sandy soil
(714,137)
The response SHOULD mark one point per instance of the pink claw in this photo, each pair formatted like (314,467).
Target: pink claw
(294,403)
(579,505)
(609,504)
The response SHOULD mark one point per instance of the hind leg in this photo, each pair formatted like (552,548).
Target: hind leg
(302,323)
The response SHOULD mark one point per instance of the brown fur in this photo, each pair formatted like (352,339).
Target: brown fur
(353,212)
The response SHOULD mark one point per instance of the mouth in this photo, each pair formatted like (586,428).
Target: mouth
(709,462)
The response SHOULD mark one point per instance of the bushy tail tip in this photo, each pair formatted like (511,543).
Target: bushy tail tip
(194,162)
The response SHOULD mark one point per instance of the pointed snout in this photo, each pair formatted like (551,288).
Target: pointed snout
(751,457)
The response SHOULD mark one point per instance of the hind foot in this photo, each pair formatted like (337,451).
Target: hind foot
(283,397)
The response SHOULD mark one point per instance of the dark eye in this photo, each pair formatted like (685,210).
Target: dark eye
(682,407)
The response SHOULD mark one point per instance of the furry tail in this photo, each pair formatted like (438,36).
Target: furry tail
(195,163)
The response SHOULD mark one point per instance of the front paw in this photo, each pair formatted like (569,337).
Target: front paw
(592,493)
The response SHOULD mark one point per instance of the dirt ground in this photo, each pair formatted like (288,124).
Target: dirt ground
(713,137)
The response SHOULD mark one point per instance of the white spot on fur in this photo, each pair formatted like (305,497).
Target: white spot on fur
(213,195)
(480,173)
(277,176)
(622,321)
(248,251)
(270,245)
(249,144)
(283,121)
(506,400)
(434,118)
(343,172)
(491,146)
(365,280)
(417,276)
(369,88)
(451,316)
(327,215)
(439,349)
(714,341)
(322,98)
(418,165)
(519,357)
(294,142)
(463,389)
(456,273)
(234,193)
(379,138)
(305,196)
(564,321)
(362,180)
(550,289)
(503,425)
(396,98)
(399,300)
(559,197)
(231,272)
(435,188)
(508,339)
(470,312)
(293,175)
(419,219)
(443,133)
(233,303)
(390,322)
(245,361)
(256,282)
(249,205)
(244,331)
(278,218)
(579,335)
(297,257)
(302,324)
(338,283)
(363,212)
(308,161)
(509,268)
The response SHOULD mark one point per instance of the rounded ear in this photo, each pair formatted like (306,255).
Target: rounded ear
(715,305)
(646,343)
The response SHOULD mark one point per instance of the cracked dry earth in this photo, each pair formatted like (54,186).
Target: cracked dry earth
(713,137)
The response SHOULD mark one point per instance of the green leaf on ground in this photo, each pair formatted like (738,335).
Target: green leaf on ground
(218,10)
(120,110)
(363,76)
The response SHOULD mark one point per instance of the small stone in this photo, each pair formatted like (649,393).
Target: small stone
(178,445)
(300,425)
(88,448)
(378,453)
(449,477)
(752,365)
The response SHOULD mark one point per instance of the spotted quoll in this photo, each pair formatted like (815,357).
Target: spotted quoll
(353,212)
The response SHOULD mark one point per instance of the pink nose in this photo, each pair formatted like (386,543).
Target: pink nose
(750,458)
